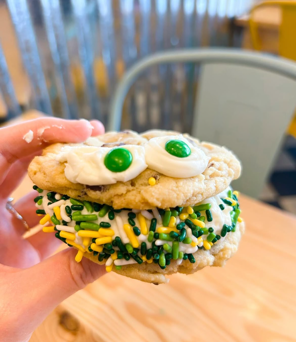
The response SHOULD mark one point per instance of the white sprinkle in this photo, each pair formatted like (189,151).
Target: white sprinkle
(157,215)
(28,137)
(191,249)
(65,228)
(190,235)
(146,214)
(177,220)
(93,141)
(179,261)
(56,204)
(136,211)
(64,215)
(142,237)
(123,262)
(109,262)
(79,242)
(122,233)
(45,206)
(160,242)
(57,196)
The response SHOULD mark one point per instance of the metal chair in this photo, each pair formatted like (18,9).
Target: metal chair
(245,101)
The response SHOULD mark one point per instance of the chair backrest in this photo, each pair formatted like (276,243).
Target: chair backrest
(245,102)
(287,28)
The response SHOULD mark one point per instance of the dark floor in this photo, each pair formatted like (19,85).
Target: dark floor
(281,189)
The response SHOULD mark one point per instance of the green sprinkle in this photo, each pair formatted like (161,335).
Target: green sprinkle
(190,224)
(143,248)
(119,255)
(111,215)
(131,215)
(109,251)
(65,197)
(114,243)
(221,206)
(214,240)
(40,201)
(195,233)
(226,201)
(95,253)
(211,230)
(166,218)
(76,213)
(224,230)
(154,247)
(88,206)
(218,237)
(193,216)
(187,240)
(204,230)
(91,217)
(167,261)
(108,246)
(138,259)
(35,187)
(126,256)
(229,193)
(64,223)
(179,209)
(175,250)
(68,210)
(162,261)
(120,244)
(197,213)
(180,225)
(180,255)
(202,207)
(191,258)
(235,216)
(153,225)
(54,220)
(96,206)
(169,256)
(105,224)
(174,213)
(90,249)
(36,199)
(209,215)
(77,227)
(182,235)
(89,225)
(117,211)
(149,254)
(185,257)
(118,268)
(104,210)
(137,231)
(40,211)
(131,222)
(165,237)
(156,256)
(75,202)
(167,247)
(156,236)
(101,256)
(77,207)
(202,218)
(150,236)
(174,235)
(161,211)
(211,237)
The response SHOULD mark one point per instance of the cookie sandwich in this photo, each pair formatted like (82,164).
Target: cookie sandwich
(144,205)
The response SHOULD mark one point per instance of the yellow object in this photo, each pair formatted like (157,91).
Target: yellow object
(79,256)
(67,235)
(240,219)
(152,181)
(86,241)
(150,261)
(57,212)
(287,31)
(106,232)
(207,245)
(184,210)
(184,216)
(236,193)
(198,223)
(114,256)
(143,224)
(72,243)
(109,268)
(103,240)
(89,233)
(233,203)
(199,240)
(172,222)
(143,257)
(44,219)
(49,229)
(96,248)
(130,234)
(166,230)
(190,210)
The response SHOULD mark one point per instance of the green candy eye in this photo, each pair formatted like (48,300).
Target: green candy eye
(118,160)
(178,148)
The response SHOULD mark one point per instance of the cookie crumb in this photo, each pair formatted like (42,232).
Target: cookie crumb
(28,137)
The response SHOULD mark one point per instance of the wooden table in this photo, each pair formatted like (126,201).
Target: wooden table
(251,299)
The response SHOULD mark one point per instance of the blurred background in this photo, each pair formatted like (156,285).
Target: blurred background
(65,59)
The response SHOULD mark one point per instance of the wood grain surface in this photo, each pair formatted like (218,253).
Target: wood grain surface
(251,299)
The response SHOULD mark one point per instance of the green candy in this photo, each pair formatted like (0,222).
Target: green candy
(118,160)
(178,148)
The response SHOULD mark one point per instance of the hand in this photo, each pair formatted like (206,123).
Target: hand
(31,284)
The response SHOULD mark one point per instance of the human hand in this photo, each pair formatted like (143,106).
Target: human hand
(31,284)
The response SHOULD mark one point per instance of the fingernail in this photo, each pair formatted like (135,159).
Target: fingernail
(88,123)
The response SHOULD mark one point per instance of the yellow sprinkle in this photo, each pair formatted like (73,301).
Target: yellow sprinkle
(206,244)
(103,240)
(183,217)
(106,232)
(166,230)
(194,244)
(109,268)
(143,224)
(150,261)
(211,243)
(130,234)
(233,203)
(172,222)
(57,212)
(89,233)
(86,241)
(72,243)
(114,256)
(236,193)
(66,235)
(39,214)
(79,256)
(240,219)
(152,181)
(198,223)
(96,248)
(190,210)
(184,210)
(199,240)
(48,229)
(144,258)
(45,219)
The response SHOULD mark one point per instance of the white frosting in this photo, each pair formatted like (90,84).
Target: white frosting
(85,164)
(158,159)
(28,137)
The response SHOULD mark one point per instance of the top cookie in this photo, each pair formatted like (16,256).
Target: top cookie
(172,159)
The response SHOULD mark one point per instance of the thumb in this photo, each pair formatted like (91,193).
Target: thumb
(38,290)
